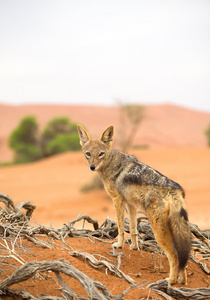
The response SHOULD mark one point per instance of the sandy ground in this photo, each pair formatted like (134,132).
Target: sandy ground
(54,184)
(143,267)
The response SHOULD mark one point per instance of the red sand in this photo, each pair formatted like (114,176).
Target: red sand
(163,125)
(54,186)
(139,265)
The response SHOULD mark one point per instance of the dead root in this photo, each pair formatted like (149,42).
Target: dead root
(15,225)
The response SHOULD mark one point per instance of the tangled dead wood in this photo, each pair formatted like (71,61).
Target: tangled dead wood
(92,287)
(15,225)
(102,264)
(162,288)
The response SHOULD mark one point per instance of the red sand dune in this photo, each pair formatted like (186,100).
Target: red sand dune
(163,125)
(178,150)
(54,184)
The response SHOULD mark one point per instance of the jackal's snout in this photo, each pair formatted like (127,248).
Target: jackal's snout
(92,167)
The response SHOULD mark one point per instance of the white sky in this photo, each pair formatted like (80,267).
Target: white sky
(99,51)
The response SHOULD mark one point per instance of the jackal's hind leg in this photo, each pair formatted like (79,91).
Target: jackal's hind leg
(183,276)
(133,227)
(164,239)
(120,209)
(173,263)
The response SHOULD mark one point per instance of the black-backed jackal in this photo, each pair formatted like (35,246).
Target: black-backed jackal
(132,183)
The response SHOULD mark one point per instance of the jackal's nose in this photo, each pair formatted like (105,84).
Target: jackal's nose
(92,167)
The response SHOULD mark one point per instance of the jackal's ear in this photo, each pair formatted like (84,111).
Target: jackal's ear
(83,135)
(107,136)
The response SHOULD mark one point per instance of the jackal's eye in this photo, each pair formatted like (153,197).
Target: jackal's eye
(87,154)
(101,154)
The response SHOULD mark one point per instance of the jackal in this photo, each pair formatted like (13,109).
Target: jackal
(132,183)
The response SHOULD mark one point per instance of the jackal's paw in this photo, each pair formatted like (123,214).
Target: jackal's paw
(118,245)
(171,281)
(134,247)
(182,281)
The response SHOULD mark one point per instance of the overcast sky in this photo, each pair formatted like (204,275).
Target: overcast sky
(100,51)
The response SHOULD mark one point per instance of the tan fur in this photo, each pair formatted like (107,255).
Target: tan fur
(131,183)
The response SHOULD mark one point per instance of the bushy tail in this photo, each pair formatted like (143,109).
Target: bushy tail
(180,228)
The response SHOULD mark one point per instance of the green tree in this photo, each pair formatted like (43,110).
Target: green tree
(207,133)
(60,135)
(24,140)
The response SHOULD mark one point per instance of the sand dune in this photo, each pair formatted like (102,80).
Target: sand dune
(54,184)
(177,149)
(163,125)
(173,133)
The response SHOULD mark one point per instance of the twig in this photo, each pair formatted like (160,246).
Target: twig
(177,293)
(15,225)
(86,218)
(102,264)
(29,269)
(202,265)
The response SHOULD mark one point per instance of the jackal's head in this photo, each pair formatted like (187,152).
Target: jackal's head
(96,151)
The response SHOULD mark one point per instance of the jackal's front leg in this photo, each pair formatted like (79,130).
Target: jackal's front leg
(120,209)
(133,227)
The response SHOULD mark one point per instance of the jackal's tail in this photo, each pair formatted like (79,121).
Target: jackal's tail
(180,228)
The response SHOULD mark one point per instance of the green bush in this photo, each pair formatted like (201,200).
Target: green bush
(24,141)
(25,133)
(27,152)
(59,135)
(63,143)
(57,126)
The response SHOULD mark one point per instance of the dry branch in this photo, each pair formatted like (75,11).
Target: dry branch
(15,225)
(14,214)
(95,289)
(102,264)
(199,233)
(85,218)
(10,207)
(39,242)
(202,265)
(29,269)
(24,295)
(177,293)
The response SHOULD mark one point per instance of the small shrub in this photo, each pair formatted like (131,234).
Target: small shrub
(59,135)
(27,152)
(24,141)
(62,143)
(25,133)
(96,184)
(207,133)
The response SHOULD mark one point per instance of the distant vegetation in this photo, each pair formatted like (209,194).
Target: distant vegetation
(60,135)
(95,184)
(207,133)
(29,144)
(131,116)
